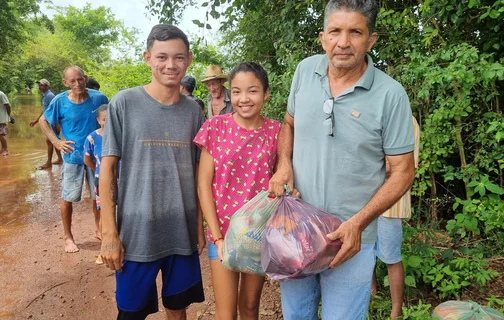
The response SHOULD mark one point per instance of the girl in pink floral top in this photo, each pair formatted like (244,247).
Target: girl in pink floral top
(237,160)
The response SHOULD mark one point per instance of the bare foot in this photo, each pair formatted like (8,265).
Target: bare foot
(99,260)
(98,235)
(70,246)
(4,153)
(59,161)
(45,166)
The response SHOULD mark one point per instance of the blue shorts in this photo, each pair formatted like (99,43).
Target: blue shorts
(136,291)
(72,176)
(212,252)
(389,240)
(345,290)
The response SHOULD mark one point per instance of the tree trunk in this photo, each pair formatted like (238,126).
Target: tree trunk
(463,163)
(460,144)
(501,182)
(433,204)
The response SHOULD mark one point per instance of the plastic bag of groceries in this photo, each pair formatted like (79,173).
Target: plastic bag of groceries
(242,243)
(295,243)
(464,310)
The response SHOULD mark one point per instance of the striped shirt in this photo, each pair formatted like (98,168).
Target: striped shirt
(402,208)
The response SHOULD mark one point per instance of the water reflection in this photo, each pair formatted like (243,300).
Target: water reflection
(20,182)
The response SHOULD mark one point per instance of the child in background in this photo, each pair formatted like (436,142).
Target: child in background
(237,160)
(92,159)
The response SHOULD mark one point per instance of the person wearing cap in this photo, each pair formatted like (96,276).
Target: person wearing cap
(187,86)
(47,97)
(219,98)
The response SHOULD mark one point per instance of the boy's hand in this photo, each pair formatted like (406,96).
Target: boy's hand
(112,253)
(201,242)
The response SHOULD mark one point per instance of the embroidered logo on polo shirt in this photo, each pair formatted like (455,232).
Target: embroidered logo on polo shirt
(355,114)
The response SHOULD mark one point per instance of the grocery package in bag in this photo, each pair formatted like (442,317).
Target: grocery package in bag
(242,243)
(295,243)
(465,310)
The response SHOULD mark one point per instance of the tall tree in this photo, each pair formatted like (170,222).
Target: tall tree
(14,15)
(15,29)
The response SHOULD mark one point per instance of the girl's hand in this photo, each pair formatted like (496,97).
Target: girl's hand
(220,249)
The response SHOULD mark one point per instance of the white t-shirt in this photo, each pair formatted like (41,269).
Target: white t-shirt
(4,116)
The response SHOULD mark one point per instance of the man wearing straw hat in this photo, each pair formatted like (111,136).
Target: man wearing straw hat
(219,99)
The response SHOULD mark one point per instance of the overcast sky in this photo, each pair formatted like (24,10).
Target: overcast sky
(134,14)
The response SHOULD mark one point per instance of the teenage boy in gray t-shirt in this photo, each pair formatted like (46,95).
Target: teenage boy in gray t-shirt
(159,225)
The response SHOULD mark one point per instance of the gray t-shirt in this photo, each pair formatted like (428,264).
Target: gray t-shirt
(156,213)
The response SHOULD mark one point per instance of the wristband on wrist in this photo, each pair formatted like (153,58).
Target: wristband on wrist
(219,238)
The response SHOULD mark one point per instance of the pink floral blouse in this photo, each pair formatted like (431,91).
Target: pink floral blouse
(243,162)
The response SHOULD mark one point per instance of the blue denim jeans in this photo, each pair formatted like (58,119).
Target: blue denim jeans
(345,290)
(72,176)
(212,252)
(389,240)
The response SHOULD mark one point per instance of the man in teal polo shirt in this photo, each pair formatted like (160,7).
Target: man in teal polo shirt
(343,118)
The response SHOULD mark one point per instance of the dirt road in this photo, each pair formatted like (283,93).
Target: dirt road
(40,281)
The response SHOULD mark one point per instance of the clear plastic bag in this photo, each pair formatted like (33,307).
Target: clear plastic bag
(464,310)
(242,243)
(295,243)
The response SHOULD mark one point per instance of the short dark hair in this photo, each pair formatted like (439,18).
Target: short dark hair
(92,84)
(165,32)
(188,82)
(254,68)
(367,8)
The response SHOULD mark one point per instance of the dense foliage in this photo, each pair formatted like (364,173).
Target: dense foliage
(448,54)
(43,47)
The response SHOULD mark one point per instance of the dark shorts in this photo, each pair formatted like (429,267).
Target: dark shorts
(3,129)
(136,291)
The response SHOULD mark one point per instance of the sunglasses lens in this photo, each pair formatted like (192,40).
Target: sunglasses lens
(328,128)
(328,106)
